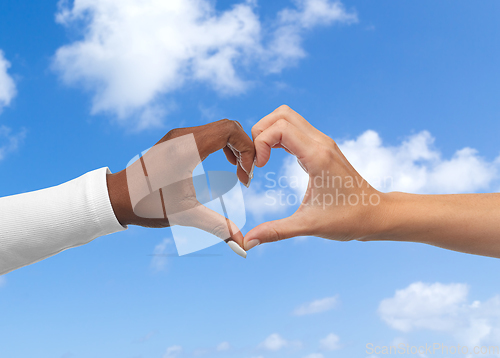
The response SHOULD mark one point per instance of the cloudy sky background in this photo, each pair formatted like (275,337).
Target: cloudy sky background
(410,91)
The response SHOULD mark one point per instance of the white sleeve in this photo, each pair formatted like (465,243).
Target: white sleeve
(39,224)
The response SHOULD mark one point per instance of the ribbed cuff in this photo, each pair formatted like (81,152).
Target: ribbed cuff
(100,203)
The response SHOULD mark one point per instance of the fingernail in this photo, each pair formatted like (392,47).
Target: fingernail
(249,181)
(251,170)
(237,248)
(252,243)
(250,175)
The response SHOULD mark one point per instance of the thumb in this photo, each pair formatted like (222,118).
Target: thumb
(216,224)
(210,221)
(274,231)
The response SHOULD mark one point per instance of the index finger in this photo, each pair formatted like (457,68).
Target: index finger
(225,133)
(288,136)
(286,113)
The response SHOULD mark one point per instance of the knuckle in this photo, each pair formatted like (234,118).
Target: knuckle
(174,133)
(255,131)
(238,124)
(221,231)
(282,123)
(233,125)
(257,140)
(284,108)
(276,234)
(222,122)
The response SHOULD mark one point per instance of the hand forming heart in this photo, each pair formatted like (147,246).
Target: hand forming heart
(157,189)
(338,203)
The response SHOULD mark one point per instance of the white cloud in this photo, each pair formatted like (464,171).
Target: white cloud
(444,308)
(423,306)
(317,306)
(310,13)
(413,166)
(286,44)
(277,192)
(261,202)
(7,85)
(224,346)
(159,261)
(276,342)
(173,352)
(9,141)
(296,178)
(330,342)
(134,51)
(314,355)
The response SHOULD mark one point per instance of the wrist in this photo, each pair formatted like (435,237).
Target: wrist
(381,220)
(119,197)
(403,217)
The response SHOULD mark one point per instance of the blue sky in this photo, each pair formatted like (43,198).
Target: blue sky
(405,85)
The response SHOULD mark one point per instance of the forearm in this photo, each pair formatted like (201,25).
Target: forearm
(462,222)
(42,223)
